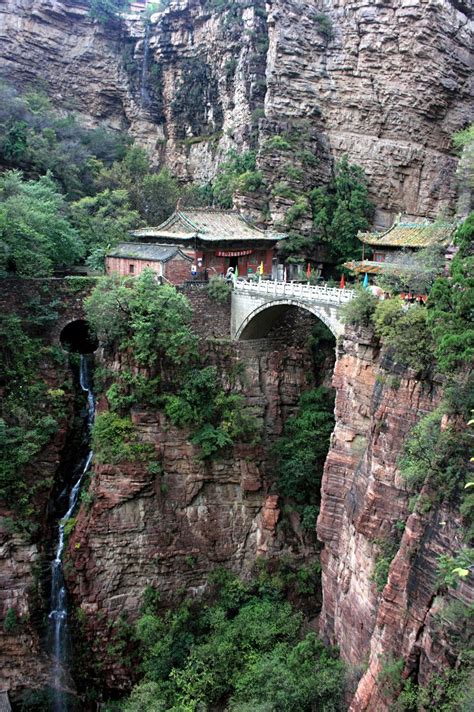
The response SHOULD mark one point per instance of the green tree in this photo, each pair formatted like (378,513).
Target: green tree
(244,651)
(341,209)
(106,10)
(153,195)
(150,319)
(237,172)
(35,234)
(450,315)
(102,221)
(406,331)
(301,451)
(359,311)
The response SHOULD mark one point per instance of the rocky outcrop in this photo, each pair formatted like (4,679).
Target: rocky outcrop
(365,515)
(45,306)
(386,83)
(170,530)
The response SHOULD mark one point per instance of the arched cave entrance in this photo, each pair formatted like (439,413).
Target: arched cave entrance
(78,337)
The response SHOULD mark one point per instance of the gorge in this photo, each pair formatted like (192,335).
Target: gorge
(249,480)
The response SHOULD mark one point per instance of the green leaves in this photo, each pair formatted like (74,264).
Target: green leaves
(115,440)
(341,209)
(301,451)
(359,311)
(105,219)
(245,651)
(35,235)
(151,319)
(450,306)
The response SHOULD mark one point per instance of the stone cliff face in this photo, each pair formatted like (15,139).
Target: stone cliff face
(170,530)
(364,510)
(25,542)
(386,83)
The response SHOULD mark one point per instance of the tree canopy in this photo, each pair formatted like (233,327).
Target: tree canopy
(341,209)
(35,234)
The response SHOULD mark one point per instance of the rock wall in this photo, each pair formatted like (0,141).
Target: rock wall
(25,545)
(170,530)
(386,83)
(364,506)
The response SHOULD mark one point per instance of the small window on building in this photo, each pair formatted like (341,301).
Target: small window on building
(131,269)
(379,257)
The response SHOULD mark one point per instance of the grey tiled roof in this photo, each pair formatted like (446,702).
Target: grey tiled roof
(137,251)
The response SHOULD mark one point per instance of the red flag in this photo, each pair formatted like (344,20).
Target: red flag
(342,283)
(308,271)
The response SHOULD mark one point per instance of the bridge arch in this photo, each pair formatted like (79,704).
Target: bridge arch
(263,317)
(76,336)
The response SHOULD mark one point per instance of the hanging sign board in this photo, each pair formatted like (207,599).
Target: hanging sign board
(233,253)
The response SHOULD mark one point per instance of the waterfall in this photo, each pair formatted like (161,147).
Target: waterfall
(144,95)
(58,611)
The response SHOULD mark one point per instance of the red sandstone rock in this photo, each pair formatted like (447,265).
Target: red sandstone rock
(363,497)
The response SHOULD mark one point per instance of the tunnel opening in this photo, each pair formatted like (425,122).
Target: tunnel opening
(78,337)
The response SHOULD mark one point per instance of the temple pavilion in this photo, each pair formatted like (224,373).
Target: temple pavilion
(382,247)
(215,240)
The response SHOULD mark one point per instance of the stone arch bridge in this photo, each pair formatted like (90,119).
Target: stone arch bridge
(257,306)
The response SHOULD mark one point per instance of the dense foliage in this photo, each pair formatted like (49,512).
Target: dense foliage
(301,451)
(341,209)
(30,412)
(35,139)
(151,322)
(35,235)
(450,306)
(237,173)
(150,319)
(360,310)
(406,331)
(79,191)
(245,650)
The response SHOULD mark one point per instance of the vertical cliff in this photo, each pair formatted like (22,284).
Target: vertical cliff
(38,309)
(387,84)
(169,529)
(365,517)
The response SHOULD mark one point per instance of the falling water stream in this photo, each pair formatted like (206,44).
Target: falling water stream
(144,96)
(59,612)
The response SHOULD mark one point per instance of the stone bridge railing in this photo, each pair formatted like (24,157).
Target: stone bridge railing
(256,305)
(333,295)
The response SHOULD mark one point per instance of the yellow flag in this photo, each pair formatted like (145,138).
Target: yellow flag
(260,269)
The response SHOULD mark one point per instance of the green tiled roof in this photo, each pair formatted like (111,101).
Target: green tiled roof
(404,234)
(209,225)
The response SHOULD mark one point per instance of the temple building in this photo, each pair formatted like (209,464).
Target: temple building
(212,240)
(129,259)
(383,247)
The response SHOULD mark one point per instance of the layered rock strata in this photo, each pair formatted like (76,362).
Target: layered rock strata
(386,83)
(170,530)
(24,663)
(364,513)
